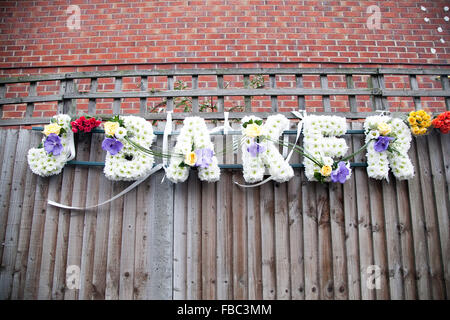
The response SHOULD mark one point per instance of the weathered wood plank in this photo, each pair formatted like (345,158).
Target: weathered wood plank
(300,98)
(351,98)
(23,244)
(87,288)
(92,102)
(273,99)
(326,290)
(240,253)
(180,212)
(364,225)
(406,240)
(49,241)
(6,180)
(31,94)
(337,238)
(194,282)
(194,99)
(267,205)
(254,245)
(79,194)
(35,248)
(143,101)
(431,227)
(393,240)
(224,235)
(311,240)
(325,98)
(445,86)
(418,229)
(118,93)
(351,232)
(14,215)
(208,241)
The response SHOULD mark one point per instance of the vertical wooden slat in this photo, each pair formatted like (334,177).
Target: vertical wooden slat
(117,101)
(254,245)
(20,265)
(95,174)
(6,176)
(69,105)
(351,99)
(2,95)
(101,237)
(220,99)
(92,102)
(325,99)
(393,241)
(208,241)
(273,99)
(379,238)
(364,226)
(418,229)
(268,241)
(35,249)
(300,99)
(224,235)
(79,193)
(282,261)
(49,241)
(30,105)
(351,232)
(414,86)
(180,239)
(126,282)
(194,248)
(431,227)
(195,99)
(247,99)
(169,105)
(445,86)
(326,290)
(240,271)
(310,240)
(62,90)
(339,258)
(143,101)
(14,215)
(377,103)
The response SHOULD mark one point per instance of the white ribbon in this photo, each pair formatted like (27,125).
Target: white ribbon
(299,115)
(167,132)
(71,139)
(128,189)
(226,125)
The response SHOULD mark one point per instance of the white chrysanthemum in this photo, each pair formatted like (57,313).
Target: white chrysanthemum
(129,163)
(379,162)
(194,132)
(320,141)
(254,167)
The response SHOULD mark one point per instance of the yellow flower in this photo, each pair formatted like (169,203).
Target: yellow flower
(419,118)
(190,159)
(415,130)
(426,124)
(422,131)
(412,121)
(384,128)
(52,128)
(426,116)
(253,130)
(111,127)
(326,170)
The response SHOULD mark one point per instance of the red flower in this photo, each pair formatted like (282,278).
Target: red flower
(442,122)
(84,125)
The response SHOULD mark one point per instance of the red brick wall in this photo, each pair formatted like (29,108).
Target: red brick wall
(34,38)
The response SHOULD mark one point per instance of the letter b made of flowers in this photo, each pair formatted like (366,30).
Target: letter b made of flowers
(389,140)
(193,149)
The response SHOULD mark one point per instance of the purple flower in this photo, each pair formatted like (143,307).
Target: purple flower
(382,143)
(255,148)
(204,157)
(53,144)
(341,173)
(112,145)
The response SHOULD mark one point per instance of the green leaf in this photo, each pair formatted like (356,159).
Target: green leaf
(318,176)
(258,122)
(40,146)
(62,131)
(244,125)
(182,164)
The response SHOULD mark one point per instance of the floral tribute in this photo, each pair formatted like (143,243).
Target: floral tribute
(259,149)
(193,149)
(442,122)
(53,152)
(85,124)
(419,122)
(124,136)
(321,145)
(388,141)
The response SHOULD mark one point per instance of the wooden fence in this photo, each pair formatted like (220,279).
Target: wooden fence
(196,240)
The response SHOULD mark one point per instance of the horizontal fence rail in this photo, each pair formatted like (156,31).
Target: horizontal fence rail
(69,94)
